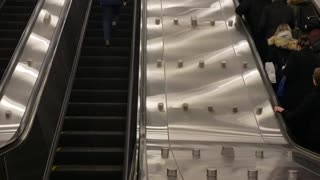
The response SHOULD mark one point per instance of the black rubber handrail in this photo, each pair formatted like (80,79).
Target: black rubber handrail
(130,116)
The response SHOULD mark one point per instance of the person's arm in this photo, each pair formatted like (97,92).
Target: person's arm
(243,7)
(291,65)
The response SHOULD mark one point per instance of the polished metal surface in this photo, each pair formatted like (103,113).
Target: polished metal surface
(208,96)
(20,89)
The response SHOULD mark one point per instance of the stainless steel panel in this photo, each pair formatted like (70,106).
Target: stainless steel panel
(213,94)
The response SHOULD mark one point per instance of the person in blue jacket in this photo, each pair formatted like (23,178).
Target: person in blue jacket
(111,10)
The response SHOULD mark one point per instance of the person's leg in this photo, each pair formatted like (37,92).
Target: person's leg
(115,14)
(107,13)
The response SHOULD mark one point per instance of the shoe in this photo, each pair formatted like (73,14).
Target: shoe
(107,43)
(125,3)
(114,23)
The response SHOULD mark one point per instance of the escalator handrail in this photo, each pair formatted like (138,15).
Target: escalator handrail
(273,98)
(27,120)
(131,95)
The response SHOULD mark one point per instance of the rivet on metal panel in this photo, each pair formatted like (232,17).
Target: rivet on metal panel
(213,22)
(293,175)
(224,64)
(290,155)
(172,173)
(259,154)
(185,106)
(227,151)
(235,110)
(160,106)
(259,111)
(245,64)
(194,21)
(165,153)
(157,21)
(210,109)
(29,62)
(230,23)
(212,173)
(8,114)
(201,64)
(159,63)
(175,21)
(196,153)
(252,174)
(47,18)
(180,64)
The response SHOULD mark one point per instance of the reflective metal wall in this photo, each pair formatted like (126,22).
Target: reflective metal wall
(207,106)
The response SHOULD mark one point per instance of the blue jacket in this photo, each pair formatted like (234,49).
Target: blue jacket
(110,2)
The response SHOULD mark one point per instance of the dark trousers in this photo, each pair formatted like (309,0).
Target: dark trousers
(110,13)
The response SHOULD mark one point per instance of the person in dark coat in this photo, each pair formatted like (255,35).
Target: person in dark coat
(275,14)
(111,11)
(299,69)
(304,121)
(252,10)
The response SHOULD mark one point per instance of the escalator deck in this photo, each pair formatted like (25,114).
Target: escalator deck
(92,140)
(14,16)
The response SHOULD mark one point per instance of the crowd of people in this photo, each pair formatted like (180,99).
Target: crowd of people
(287,34)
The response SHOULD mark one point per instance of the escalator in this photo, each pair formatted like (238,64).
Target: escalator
(14,16)
(92,139)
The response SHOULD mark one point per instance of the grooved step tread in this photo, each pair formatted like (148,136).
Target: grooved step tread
(95,168)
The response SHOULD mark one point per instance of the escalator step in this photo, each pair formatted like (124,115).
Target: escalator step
(99,16)
(17,9)
(92,61)
(6,52)
(109,96)
(86,172)
(121,24)
(89,156)
(91,139)
(4,62)
(102,72)
(93,123)
(101,83)
(14,17)
(12,24)
(8,42)
(10,33)
(97,109)
(97,32)
(117,41)
(102,51)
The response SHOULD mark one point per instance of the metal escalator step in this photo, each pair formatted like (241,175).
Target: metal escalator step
(117,41)
(101,83)
(92,61)
(97,109)
(77,172)
(6,52)
(102,72)
(99,16)
(14,17)
(121,24)
(10,33)
(12,24)
(92,139)
(123,10)
(103,51)
(94,123)
(89,156)
(21,2)
(109,96)
(8,42)
(12,9)
(97,32)
(4,62)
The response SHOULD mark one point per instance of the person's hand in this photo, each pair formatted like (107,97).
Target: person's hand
(278,109)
